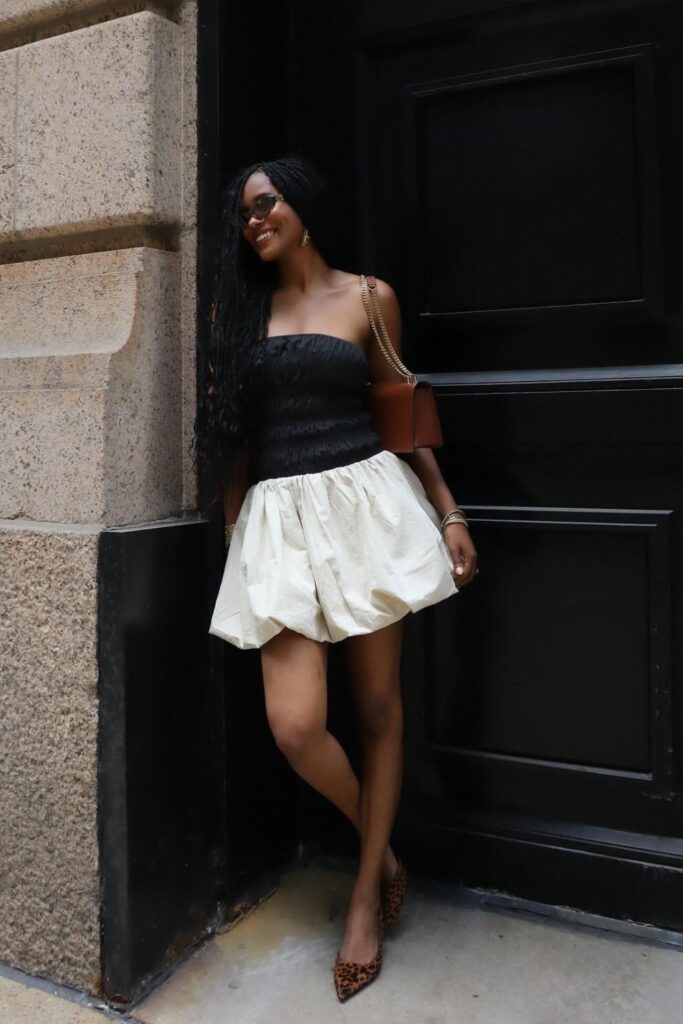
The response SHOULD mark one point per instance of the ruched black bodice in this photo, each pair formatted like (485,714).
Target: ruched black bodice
(312,411)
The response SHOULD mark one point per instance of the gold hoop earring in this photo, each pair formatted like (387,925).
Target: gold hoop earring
(305,238)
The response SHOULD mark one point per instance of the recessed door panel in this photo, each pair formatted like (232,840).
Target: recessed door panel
(513,171)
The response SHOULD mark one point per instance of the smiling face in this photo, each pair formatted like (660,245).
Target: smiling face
(279,230)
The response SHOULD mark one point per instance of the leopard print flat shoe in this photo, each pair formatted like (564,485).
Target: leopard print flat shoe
(393,893)
(350,977)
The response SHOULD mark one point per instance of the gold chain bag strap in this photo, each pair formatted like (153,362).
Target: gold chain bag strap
(404,412)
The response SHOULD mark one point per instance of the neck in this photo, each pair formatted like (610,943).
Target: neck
(302,269)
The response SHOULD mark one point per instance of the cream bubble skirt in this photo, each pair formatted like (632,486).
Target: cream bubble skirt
(332,554)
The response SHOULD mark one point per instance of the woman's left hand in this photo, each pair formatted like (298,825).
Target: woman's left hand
(463,553)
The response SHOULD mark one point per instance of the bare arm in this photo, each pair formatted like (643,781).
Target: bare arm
(423,461)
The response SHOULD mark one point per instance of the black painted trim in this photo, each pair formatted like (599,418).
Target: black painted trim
(584,872)
(161,772)
(662,377)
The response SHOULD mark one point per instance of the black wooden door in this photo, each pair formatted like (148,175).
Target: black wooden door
(513,170)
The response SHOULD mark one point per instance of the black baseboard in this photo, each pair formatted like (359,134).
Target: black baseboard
(625,878)
(161,751)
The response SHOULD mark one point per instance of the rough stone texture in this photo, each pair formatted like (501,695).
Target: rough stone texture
(90,418)
(19,14)
(49,898)
(143,478)
(8,89)
(97,130)
(97,405)
(42,465)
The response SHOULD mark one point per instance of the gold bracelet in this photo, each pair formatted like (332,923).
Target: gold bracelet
(229,529)
(456,516)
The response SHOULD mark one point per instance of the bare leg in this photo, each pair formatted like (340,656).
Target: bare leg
(374,665)
(295,680)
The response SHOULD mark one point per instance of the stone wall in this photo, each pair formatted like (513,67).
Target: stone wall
(97,329)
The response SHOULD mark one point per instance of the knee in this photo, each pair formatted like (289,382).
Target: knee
(382,716)
(295,735)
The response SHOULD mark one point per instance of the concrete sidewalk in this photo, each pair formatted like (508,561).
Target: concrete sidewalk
(26,1000)
(452,960)
(449,961)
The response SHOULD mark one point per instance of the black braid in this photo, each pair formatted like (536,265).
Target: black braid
(242,301)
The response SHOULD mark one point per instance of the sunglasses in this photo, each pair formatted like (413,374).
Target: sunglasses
(261,208)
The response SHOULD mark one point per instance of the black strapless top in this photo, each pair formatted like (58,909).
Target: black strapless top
(312,407)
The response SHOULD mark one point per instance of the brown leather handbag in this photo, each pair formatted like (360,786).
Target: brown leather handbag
(404,412)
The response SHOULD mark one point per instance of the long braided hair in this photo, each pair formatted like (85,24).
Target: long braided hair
(228,406)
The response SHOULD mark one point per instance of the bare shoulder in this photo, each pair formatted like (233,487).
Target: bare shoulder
(344,281)
(352,320)
(391,309)
(386,293)
(380,368)
(351,282)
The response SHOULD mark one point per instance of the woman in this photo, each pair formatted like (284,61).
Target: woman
(336,537)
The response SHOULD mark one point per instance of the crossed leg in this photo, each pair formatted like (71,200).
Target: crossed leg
(374,670)
(295,680)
